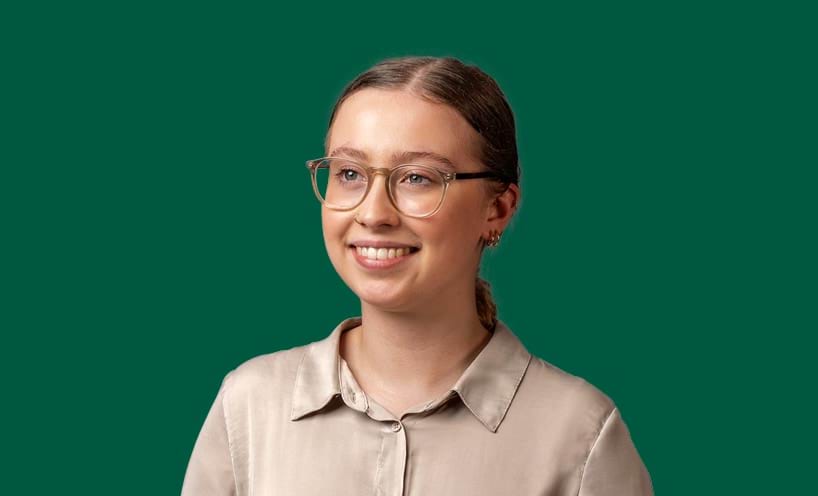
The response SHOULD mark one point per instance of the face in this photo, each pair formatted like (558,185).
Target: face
(380,124)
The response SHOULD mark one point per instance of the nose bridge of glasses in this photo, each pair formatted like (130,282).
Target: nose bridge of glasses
(373,172)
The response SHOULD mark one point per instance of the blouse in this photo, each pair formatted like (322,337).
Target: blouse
(296,422)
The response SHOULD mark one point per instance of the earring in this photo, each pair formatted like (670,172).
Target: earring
(494,239)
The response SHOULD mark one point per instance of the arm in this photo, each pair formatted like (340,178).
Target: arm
(210,469)
(613,466)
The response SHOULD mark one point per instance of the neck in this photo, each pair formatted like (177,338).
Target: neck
(415,353)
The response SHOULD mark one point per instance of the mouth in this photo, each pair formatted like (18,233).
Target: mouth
(383,253)
(383,258)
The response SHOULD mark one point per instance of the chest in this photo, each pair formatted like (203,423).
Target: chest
(343,451)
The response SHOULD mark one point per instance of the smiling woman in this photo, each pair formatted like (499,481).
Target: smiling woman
(420,174)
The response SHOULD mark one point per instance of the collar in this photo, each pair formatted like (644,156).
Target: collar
(486,387)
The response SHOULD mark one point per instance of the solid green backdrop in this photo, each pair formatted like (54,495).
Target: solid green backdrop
(159,227)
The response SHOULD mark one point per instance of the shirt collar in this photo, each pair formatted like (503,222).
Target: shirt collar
(486,387)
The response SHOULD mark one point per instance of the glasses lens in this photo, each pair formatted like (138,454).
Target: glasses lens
(418,190)
(340,183)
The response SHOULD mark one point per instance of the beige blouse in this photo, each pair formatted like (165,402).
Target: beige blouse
(296,423)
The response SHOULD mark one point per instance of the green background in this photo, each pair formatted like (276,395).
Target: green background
(158,226)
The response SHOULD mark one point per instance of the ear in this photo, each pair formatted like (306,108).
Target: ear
(502,208)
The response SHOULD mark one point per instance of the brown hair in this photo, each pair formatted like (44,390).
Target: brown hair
(478,98)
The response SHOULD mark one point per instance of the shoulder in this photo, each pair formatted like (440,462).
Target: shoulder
(555,383)
(269,372)
(562,399)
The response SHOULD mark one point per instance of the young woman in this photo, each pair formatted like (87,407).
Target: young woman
(426,392)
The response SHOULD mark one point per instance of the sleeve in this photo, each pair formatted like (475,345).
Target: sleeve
(210,469)
(613,466)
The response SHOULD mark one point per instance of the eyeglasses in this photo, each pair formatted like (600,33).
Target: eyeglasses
(414,190)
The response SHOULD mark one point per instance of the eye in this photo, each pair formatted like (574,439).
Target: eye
(346,174)
(417,178)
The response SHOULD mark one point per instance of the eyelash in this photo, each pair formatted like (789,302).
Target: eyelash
(342,176)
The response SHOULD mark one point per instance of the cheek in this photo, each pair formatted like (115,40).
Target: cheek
(332,225)
(462,223)
(454,239)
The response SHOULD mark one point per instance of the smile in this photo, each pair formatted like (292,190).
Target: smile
(382,253)
(381,258)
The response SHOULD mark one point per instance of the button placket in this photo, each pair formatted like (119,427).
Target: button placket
(395,457)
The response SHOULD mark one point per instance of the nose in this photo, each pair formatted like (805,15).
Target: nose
(377,209)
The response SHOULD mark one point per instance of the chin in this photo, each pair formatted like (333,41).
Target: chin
(383,295)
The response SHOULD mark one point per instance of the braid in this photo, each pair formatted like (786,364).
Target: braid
(486,308)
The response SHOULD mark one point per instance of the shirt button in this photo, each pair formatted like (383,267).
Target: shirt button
(395,426)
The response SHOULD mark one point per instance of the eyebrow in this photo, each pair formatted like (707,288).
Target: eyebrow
(402,157)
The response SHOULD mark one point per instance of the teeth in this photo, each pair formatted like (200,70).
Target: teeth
(381,253)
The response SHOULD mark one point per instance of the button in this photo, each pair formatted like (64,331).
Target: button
(395,426)
(352,396)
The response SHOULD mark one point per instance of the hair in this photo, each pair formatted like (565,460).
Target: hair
(478,98)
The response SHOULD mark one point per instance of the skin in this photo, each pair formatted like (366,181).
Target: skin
(420,325)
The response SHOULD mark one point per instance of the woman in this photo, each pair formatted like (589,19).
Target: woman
(426,392)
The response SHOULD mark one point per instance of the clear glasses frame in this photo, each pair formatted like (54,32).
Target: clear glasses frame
(445,176)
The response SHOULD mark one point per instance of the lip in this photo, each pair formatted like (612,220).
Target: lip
(388,263)
(374,243)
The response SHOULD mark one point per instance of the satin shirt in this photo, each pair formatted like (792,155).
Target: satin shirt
(296,423)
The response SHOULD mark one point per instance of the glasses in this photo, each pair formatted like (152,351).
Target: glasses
(414,190)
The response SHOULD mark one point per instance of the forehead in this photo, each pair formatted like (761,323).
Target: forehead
(388,124)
